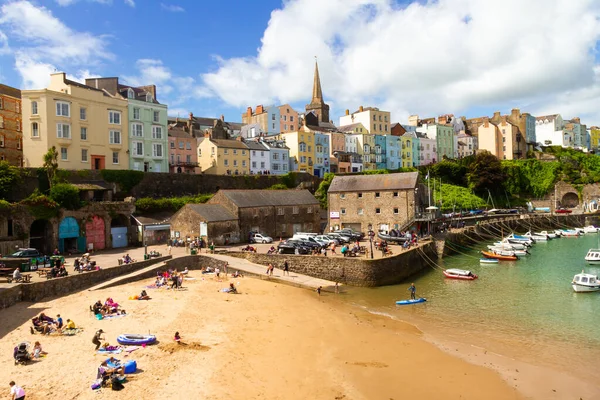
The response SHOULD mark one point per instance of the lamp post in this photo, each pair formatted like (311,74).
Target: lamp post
(371,234)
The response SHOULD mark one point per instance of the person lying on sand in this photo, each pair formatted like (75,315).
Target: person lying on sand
(143,296)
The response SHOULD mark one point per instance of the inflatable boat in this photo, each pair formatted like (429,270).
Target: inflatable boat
(136,340)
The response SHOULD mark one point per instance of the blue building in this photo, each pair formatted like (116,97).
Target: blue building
(380,146)
(321,166)
(393,152)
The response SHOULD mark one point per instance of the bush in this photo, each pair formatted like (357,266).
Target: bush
(152,205)
(126,179)
(278,186)
(41,206)
(9,175)
(66,195)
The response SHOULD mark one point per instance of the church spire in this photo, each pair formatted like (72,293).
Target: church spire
(317,94)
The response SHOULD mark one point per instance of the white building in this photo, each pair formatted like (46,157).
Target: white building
(549,131)
(376,121)
(260,157)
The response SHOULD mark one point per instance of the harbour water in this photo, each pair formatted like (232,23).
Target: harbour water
(524,309)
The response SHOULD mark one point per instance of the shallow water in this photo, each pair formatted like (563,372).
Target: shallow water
(524,309)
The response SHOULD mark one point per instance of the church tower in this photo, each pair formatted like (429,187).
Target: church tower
(317,105)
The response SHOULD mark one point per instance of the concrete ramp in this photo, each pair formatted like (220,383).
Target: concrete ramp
(144,273)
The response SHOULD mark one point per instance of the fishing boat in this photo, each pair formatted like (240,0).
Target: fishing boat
(590,229)
(511,246)
(537,238)
(488,261)
(593,256)
(512,238)
(463,274)
(570,233)
(493,254)
(505,250)
(585,283)
(551,235)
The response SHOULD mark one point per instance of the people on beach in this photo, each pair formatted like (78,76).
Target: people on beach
(319,290)
(286,268)
(413,290)
(16,392)
(70,325)
(37,351)
(237,274)
(232,289)
(218,272)
(177,338)
(97,337)
(17,276)
(143,296)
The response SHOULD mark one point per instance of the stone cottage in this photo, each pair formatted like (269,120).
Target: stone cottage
(212,221)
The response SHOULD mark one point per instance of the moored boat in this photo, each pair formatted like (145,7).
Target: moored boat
(511,246)
(593,256)
(463,274)
(520,239)
(537,238)
(488,261)
(585,283)
(570,233)
(492,254)
(507,251)
(590,229)
(550,234)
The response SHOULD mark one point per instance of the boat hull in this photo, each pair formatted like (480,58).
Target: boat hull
(488,261)
(449,275)
(585,288)
(487,254)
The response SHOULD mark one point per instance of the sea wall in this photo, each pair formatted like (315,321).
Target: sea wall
(353,271)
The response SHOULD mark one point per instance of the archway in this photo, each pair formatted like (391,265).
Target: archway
(570,200)
(118,231)
(95,233)
(69,239)
(40,236)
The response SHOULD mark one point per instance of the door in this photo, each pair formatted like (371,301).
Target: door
(119,236)
(95,233)
(146,167)
(97,162)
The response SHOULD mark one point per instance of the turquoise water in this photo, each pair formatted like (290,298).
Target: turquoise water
(525,309)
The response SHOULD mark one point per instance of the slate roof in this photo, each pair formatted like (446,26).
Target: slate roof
(252,145)
(229,144)
(180,133)
(265,198)
(365,183)
(212,212)
(10,91)
(350,128)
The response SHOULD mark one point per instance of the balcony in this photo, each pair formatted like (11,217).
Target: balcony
(183,164)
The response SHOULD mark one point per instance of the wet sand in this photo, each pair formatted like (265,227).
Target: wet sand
(269,342)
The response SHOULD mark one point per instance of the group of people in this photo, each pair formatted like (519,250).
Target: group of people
(84,263)
(127,259)
(46,325)
(110,307)
(348,252)
(172,276)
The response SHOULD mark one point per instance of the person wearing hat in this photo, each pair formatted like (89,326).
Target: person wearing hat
(97,338)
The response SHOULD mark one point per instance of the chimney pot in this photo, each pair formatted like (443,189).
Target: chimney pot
(222,118)
(360,109)
(347,112)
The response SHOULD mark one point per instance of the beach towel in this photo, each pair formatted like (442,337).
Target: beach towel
(190,279)
(114,316)
(151,287)
(115,351)
(71,332)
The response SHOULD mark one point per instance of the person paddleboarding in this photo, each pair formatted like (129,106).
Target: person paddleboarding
(413,291)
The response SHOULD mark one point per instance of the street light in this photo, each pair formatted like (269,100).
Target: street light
(371,234)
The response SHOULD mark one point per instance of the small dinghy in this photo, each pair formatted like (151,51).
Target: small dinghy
(407,302)
(463,274)
(496,256)
(488,261)
(136,340)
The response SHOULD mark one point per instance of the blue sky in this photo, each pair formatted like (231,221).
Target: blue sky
(462,57)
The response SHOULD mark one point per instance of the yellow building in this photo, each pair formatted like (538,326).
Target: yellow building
(223,156)
(87,126)
(376,121)
(302,148)
(366,148)
(595,138)
(406,158)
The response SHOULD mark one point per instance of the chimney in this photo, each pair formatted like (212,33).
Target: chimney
(514,113)
(189,122)
(496,116)
(222,118)
(576,120)
(486,122)
(239,139)
(207,134)
(259,109)
(360,109)
(347,112)
(249,112)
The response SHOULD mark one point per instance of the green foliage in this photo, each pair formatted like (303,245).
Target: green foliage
(5,205)
(450,172)
(66,195)
(375,172)
(41,206)
(278,186)
(151,205)
(51,164)
(126,179)
(457,198)
(485,173)
(321,193)
(530,177)
(9,175)
(289,179)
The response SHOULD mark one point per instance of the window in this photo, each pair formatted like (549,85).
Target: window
(374,118)
(138,148)
(115,157)
(172,158)
(343,211)
(395,210)
(35,130)
(34,109)
(136,113)
(188,158)
(280,211)
(226,162)
(172,145)
(1,140)
(360,211)
(225,151)
(157,150)
(285,127)
(395,194)
(149,97)
(503,148)
(275,156)
(309,210)
(137,130)
(253,164)
(285,167)
(63,109)
(360,195)
(503,140)
(178,158)
(181,145)
(83,113)
(295,210)
(157,132)
(273,126)
(378,211)
(244,153)
(114,117)
(262,165)
(188,146)
(156,116)
(284,156)
(114,137)
(83,133)
(235,163)
(1,104)
(234,151)
(63,131)
(291,120)
(130,94)
(342,196)
(273,117)
(243,163)
(84,155)
(63,153)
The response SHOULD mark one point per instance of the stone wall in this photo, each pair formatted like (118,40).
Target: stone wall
(10,296)
(353,271)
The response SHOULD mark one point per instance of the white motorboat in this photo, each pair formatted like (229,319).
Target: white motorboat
(537,238)
(593,256)
(558,233)
(488,261)
(570,233)
(590,229)
(585,283)
(508,251)
(551,235)
(512,238)
(579,230)
(511,246)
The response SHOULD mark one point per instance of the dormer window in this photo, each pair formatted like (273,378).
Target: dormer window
(130,93)
(149,97)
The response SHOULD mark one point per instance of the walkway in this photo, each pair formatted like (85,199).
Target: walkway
(258,271)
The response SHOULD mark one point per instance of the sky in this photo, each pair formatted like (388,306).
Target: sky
(462,57)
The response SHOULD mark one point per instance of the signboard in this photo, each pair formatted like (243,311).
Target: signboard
(334,215)
(203,229)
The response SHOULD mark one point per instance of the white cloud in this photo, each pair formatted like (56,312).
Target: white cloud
(171,7)
(65,3)
(430,58)
(130,3)
(43,44)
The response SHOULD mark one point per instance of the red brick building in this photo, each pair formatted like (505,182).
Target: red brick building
(11,128)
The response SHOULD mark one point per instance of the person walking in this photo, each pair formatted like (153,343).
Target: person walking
(16,392)
(413,291)
(271,268)
(286,268)
(97,339)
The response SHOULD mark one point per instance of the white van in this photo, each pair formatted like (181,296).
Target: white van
(306,238)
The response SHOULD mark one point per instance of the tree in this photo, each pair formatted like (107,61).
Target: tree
(485,173)
(51,164)
(9,174)
(321,193)
(66,195)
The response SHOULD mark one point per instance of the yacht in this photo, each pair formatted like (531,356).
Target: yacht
(586,282)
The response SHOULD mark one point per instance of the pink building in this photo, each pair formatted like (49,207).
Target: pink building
(427,149)
(183,149)
(288,118)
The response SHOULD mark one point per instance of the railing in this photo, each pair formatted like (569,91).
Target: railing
(183,164)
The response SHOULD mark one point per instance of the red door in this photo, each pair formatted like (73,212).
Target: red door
(95,234)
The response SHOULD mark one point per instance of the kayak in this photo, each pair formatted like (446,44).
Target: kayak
(407,302)
(136,340)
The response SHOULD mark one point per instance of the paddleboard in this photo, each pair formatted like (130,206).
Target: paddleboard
(407,302)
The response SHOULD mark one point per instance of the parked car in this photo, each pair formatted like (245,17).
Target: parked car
(292,247)
(310,242)
(25,253)
(562,210)
(260,238)
(327,239)
(341,238)
(352,234)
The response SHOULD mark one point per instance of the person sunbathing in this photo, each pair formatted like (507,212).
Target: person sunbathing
(98,308)
(40,326)
(143,296)
(232,289)
(111,305)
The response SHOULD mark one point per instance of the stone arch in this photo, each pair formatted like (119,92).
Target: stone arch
(40,234)
(69,236)
(569,199)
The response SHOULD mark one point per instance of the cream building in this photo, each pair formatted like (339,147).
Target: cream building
(223,156)
(87,126)
(376,122)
